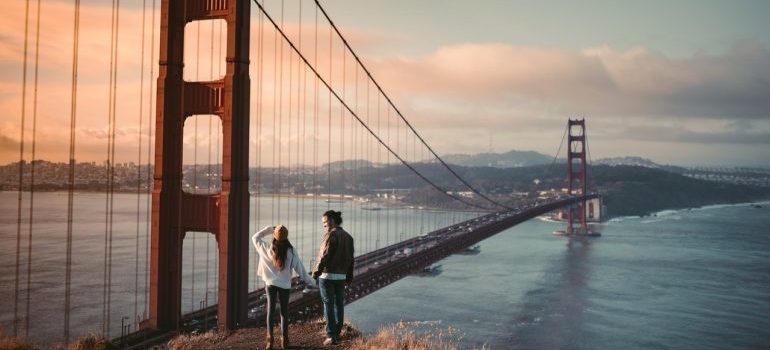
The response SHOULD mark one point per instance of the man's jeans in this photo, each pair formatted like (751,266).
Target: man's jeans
(333,298)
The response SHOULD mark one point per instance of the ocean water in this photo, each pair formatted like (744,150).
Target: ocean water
(687,279)
(127,294)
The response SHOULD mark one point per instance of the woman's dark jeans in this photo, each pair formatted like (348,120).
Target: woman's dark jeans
(282,296)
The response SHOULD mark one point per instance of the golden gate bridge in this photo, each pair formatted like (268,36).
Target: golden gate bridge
(300,108)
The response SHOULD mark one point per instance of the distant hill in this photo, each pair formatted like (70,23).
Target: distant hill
(632,161)
(635,190)
(512,159)
(627,189)
(348,164)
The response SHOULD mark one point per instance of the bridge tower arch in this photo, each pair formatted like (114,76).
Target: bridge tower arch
(576,174)
(174,212)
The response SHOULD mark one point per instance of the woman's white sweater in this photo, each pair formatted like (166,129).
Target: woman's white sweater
(267,269)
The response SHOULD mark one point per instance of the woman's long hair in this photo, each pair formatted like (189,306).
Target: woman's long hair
(279,250)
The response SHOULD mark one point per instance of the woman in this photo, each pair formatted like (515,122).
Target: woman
(277,260)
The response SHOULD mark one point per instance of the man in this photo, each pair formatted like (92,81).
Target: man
(335,270)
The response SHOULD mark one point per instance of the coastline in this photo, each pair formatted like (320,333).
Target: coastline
(403,205)
(668,212)
(321,197)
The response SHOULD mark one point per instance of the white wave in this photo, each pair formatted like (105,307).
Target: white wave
(664,218)
(673,212)
(721,206)
(548,219)
(623,218)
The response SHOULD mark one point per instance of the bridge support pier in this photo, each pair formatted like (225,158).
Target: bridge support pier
(174,212)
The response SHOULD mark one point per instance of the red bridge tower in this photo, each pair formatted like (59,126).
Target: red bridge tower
(174,212)
(576,181)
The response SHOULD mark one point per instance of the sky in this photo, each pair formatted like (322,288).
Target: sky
(678,82)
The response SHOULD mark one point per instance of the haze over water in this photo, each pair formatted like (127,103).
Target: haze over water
(695,279)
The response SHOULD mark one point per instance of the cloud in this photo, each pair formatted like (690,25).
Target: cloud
(683,135)
(8,144)
(600,82)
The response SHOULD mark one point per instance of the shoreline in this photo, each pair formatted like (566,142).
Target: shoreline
(401,205)
(667,212)
(334,198)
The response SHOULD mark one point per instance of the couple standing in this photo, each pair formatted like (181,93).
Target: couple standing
(333,271)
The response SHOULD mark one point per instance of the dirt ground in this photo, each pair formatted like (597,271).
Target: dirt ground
(308,335)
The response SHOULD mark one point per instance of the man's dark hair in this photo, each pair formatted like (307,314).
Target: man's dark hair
(336,216)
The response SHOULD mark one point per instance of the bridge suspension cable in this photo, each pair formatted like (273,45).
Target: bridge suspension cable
(590,160)
(387,98)
(32,173)
(71,172)
(139,167)
(194,188)
(148,176)
(563,136)
(21,171)
(355,115)
(258,144)
(110,190)
(361,132)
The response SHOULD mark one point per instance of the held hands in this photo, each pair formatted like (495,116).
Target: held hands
(316,274)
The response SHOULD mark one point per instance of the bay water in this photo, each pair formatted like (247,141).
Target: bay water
(686,279)
(108,294)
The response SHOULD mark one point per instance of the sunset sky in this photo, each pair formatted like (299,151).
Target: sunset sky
(679,82)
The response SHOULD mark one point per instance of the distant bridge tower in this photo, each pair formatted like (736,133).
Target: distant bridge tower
(175,212)
(576,174)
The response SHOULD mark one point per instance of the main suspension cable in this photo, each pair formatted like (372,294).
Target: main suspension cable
(347,107)
(555,157)
(331,23)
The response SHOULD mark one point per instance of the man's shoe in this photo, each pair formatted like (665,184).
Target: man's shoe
(328,341)
(269,342)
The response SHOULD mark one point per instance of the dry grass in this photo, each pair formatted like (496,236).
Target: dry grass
(205,340)
(403,336)
(13,343)
(92,342)
(8,343)
(89,342)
